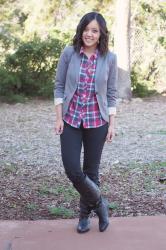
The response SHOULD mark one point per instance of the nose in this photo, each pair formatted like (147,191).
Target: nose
(89,33)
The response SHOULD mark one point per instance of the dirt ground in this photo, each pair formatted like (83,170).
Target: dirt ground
(32,179)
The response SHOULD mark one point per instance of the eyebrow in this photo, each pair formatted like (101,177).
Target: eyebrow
(92,28)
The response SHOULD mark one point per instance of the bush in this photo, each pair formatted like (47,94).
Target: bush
(30,70)
(13,98)
(141,86)
(9,82)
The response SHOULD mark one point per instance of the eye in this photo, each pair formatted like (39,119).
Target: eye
(85,30)
(95,31)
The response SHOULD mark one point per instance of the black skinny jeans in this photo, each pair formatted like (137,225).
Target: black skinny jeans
(71,143)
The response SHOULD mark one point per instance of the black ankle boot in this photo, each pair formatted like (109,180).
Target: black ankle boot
(83,225)
(102,212)
(90,193)
(84,222)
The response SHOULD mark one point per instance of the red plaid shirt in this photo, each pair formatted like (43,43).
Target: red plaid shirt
(83,106)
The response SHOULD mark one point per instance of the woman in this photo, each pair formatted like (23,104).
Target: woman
(85,99)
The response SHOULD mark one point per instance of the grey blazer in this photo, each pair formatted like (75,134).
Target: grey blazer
(67,77)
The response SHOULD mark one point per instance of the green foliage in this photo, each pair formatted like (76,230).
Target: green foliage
(159,132)
(7,42)
(9,169)
(149,29)
(67,193)
(32,206)
(162,41)
(61,212)
(146,7)
(141,83)
(13,98)
(9,81)
(30,70)
(113,205)
(28,64)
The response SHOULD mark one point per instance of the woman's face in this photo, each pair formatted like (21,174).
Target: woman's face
(91,34)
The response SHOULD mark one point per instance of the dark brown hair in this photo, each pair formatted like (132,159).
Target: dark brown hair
(104,35)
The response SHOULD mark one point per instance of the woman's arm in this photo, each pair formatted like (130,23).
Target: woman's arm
(112,84)
(60,77)
(59,87)
(111,97)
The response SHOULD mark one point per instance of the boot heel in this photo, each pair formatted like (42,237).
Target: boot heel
(102,212)
(83,225)
(84,221)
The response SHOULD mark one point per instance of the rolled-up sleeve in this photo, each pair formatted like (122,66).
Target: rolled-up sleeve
(112,110)
(58,101)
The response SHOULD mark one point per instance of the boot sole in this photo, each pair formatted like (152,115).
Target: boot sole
(103,229)
(81,232)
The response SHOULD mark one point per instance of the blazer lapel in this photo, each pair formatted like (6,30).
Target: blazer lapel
(98,71)
(76,61)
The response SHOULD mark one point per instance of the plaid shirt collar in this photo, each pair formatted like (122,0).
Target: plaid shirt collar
(95,54)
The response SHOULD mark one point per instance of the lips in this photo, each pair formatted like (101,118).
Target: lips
(88,40)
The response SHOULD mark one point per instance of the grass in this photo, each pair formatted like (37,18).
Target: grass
(61,212)
(113,205)
(105,188)
(10,169)
(68,193)
(32,206)
(153,165)
(124,186)
(149,185)
(159,132)
(14,98)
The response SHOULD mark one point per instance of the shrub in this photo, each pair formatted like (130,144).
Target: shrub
(30,70)
(141,86)
(9,82)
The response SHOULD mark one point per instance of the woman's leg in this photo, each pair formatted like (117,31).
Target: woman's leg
(71,143)
(93,141)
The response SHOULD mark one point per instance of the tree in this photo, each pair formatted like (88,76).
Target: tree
(122,47)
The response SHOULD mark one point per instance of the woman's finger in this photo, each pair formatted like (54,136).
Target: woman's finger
(61,129)
(110,136)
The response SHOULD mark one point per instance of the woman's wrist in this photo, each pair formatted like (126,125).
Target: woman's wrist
(111,120)
(58,111)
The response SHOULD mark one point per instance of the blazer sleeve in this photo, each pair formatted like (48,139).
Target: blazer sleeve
(112,82)
(61,71)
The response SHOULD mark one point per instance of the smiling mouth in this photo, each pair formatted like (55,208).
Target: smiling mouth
(88,40)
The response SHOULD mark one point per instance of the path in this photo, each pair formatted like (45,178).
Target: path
(125,233)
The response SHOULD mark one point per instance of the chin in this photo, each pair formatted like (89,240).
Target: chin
(89,45)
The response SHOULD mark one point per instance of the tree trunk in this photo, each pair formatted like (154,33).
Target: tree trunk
(122,47)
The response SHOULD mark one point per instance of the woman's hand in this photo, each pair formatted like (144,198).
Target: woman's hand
(110,134)
(59,125)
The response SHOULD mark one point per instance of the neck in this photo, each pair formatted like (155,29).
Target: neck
(90,50)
